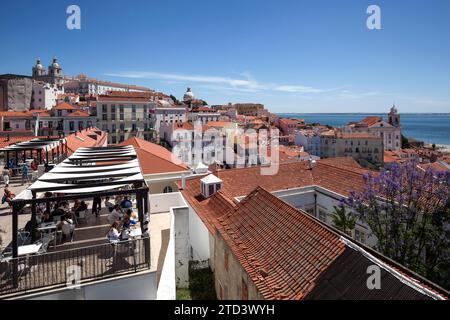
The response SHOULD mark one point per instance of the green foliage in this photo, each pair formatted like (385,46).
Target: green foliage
(173,98)
(183,294)
(405,143)
(342,220)
(201,284)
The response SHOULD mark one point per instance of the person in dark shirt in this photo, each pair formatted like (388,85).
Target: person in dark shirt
(126,203)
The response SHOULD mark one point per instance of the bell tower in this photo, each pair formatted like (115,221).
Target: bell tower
(394,117)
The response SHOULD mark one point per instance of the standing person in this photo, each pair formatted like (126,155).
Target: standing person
(6,175)
(97,206)
(25,173)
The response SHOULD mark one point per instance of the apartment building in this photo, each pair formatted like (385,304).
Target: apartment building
(125,115)
(365,148)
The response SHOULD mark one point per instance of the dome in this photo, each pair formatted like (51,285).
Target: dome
(188,96)
(39,66)
(55,64)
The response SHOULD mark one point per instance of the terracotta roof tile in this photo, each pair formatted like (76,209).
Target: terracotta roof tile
(154,158)
(65,106)
(284,250)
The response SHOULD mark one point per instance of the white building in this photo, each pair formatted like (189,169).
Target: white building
(309,140)
(44,95)
(390,131)
(167,112)
(86,86)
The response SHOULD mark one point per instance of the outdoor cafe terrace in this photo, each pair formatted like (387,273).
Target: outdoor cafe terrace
(39,255)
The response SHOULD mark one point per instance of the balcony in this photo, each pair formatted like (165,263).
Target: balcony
(54,270)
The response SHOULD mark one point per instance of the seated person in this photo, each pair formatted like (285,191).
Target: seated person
(109,204)
(58,212)
(8,196)
(34,165)
(113,233)
(46,218)
(116,214)
(133,216)
(126,222)
(126,203)
(76,205)
(67,226)
(82,207)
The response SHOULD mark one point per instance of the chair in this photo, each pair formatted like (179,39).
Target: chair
(82,215)
(68,229)
(45,243)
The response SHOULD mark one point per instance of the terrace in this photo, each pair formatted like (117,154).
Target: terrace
(47,258)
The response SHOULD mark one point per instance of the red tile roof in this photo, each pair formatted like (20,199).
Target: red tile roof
(283,250)
(64,106)
(15,114)
(370,121)
(84,138)
(4,141)
(79,114)
(288,254)
(154,158)
(436,166)
(335,174)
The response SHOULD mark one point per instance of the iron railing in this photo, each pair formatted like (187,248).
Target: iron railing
(52,270)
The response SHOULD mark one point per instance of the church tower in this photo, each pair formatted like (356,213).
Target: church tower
(38,69)
(394,117)
(54,70)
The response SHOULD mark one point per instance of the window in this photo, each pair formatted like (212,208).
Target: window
(80,125)
(168,189)
(104,108)
(122,127)
(71,126)
(122,138)
(133,112)
(322,215)
(50,124)
(113,127)
(113,139)
(104,117)
(113,112)
(121,117)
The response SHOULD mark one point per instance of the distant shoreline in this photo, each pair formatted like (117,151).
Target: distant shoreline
(427,127)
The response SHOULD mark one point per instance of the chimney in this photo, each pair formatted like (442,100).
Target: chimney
(183,181)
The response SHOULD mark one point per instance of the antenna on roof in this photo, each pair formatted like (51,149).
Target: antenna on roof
(311,163)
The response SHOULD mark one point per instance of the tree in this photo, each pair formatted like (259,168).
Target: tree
(408,210)
(405,143)
(174,99)
(342,220)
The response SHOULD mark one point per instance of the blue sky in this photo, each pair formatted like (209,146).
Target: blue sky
(293,56)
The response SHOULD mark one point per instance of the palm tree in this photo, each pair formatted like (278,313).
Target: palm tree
(342,220)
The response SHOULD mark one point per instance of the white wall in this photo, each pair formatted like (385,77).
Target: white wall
(167,283)
(162,202)
(141,286)
(199,237)
(181,236)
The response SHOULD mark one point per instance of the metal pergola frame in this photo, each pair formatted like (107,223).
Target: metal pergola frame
(139,187)
(38,145)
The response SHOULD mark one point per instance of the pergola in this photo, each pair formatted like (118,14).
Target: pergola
(88,173)
(51,147)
